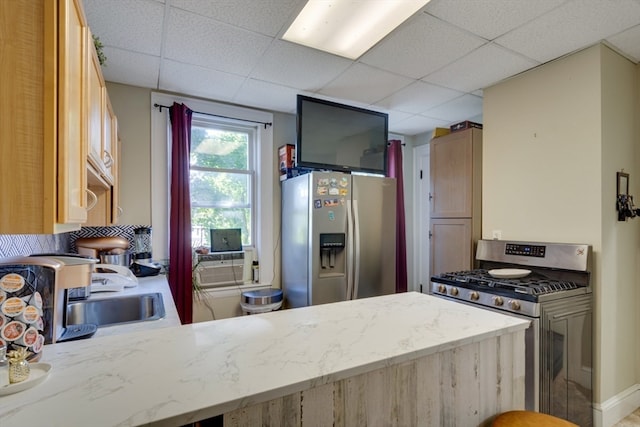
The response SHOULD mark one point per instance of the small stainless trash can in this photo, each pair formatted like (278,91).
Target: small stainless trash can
(261,301)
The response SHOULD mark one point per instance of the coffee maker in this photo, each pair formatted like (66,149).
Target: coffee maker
(143,264)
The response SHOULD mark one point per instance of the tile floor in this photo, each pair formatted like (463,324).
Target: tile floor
(631,420)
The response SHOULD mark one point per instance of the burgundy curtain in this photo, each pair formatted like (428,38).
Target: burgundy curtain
(180,212)
(394,170)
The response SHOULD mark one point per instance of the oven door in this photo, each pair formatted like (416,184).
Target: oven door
(532,354)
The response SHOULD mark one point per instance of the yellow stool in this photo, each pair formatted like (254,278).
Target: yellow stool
(529,419)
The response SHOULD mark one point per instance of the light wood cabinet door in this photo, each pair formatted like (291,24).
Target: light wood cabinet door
(72,131)
(101,120)
(109,139)
(451,245)
(455,174)
(43,155)
(95,115)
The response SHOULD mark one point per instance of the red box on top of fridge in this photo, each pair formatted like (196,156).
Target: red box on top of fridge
(287,155)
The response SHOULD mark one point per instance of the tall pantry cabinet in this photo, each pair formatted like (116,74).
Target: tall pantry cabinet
(455,199)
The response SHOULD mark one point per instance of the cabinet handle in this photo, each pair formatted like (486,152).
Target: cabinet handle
(92,204)
(109,160)
(119,212)
(430,196)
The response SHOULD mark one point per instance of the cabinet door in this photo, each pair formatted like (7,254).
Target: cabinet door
(95,92)
(72,136)
(109,140)
(451,175)
(116,210)
(451,245)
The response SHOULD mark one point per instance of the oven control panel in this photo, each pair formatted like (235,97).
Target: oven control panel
(525,250)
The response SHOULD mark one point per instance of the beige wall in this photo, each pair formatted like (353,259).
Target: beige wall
(620,240)
(131,105)
(284,132)
(554,138)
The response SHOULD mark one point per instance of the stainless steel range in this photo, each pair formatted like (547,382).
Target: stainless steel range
(549,284)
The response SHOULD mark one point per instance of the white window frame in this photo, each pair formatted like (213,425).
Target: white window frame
(264,233)
(252,164)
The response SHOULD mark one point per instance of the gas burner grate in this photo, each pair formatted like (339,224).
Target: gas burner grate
(535,285)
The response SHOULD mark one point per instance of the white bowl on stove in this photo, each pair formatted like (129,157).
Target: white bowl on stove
(509,273)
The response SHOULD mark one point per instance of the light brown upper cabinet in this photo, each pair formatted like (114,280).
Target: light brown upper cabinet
(100,120)
(43,131)
(456,174)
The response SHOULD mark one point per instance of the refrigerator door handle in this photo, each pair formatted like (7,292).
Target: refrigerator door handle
(356,255)
(349,236)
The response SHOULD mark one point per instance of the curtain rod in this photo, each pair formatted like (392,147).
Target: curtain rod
(160,107)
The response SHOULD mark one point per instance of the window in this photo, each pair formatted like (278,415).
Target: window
(222,176)
(265,212)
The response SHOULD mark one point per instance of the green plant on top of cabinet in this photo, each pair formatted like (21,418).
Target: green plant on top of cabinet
(42,127)
(455,199)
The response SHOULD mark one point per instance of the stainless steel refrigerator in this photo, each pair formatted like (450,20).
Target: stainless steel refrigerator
(338,237)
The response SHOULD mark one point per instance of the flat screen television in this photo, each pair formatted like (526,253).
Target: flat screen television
(340,137)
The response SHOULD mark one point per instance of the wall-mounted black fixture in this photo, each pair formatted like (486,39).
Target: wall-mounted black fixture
(624,202)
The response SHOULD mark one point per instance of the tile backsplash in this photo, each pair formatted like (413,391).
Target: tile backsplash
(27,244)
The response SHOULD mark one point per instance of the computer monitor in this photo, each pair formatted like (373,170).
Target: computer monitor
(226,240)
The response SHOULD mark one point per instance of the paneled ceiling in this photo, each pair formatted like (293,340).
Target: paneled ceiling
(428,73)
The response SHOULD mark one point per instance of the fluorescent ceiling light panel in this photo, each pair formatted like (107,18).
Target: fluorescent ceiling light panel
(349,27)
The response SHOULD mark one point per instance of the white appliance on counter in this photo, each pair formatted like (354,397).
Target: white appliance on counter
(338,237)
(112,278)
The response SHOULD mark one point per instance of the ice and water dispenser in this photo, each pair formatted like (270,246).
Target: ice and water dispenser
(332,254)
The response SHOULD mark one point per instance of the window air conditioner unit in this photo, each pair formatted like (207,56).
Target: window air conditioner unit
(223,269)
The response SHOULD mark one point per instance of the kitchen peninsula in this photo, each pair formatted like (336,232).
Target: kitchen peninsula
(403,359)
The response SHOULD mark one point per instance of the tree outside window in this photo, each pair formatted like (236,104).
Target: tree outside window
(221,179)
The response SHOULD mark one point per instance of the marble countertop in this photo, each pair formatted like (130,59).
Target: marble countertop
(175,375)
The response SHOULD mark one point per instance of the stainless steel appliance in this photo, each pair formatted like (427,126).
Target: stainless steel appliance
(338,237)
(549,284)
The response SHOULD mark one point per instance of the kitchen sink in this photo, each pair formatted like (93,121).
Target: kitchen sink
(117,310)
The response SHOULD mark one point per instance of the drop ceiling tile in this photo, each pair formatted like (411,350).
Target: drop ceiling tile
(265,16)
(366,84)
(292,65)
(418,97)
(199,81)
(416,124)
(421,46)
(202,41)
(628,42)
(135,69)
(572,26)
(134,25)
(483,67)
(490,18)
(457,110)
(269,96)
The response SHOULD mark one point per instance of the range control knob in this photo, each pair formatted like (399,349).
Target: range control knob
(442,289)
(474,296)
(515,305)
(498,301)
(454,292)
